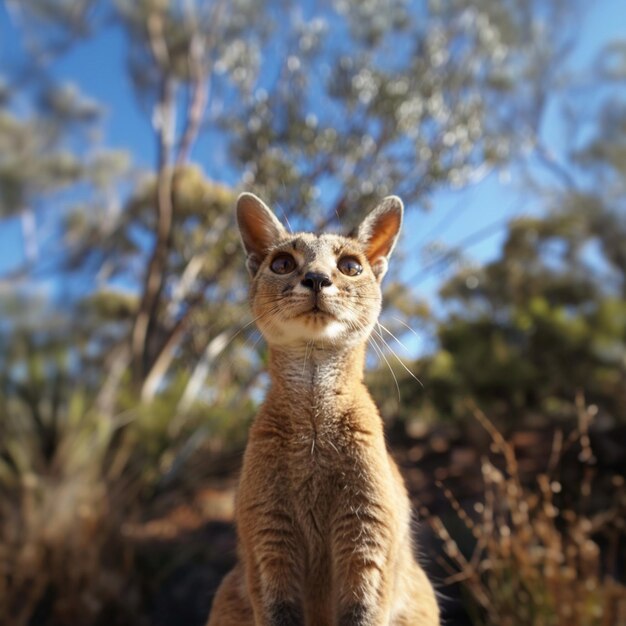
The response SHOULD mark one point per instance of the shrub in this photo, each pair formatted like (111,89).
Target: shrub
(535,562)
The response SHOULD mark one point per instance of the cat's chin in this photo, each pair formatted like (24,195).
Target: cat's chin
(315,326)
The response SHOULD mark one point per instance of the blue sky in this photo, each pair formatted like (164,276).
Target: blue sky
(97,68)
(497,196)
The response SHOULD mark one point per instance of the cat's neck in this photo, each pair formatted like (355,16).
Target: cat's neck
(324,376)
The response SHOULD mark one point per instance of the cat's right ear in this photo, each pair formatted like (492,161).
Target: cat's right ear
(379,231)
(259,229)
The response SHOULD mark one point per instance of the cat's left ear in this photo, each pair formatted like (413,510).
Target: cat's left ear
(259,229)
(379,232)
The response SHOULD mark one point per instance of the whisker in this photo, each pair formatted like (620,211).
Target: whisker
(232,338)
(269,312)
(388,331)
(356,325)
(406,326)
(380,351)
(398,358)
(258,339)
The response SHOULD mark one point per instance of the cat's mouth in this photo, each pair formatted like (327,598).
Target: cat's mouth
(316,310)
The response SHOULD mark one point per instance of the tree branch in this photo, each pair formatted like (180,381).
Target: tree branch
(164,121)
(199,75)
(198,100)
(164,356)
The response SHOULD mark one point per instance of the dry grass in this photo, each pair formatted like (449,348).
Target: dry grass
(534,563)
(62,558)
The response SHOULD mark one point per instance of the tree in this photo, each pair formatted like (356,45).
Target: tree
(526,332)
(320,117)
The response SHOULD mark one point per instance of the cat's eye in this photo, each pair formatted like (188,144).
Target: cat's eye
(283,264)
(349,266)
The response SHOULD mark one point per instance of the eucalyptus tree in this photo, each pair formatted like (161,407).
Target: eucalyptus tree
(320,107)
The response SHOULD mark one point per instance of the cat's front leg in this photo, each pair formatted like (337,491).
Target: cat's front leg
(362,542)
(274,571)
(276,601)
(285,614)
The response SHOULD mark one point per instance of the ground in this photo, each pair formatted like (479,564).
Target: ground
(189,537)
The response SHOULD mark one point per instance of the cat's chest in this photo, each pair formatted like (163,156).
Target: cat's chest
(317,462)
(320,442)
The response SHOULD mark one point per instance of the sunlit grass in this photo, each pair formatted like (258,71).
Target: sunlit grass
(534,563)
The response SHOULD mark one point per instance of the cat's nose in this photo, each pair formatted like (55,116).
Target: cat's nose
(316,281)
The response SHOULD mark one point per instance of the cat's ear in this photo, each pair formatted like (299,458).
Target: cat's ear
(379,232)
(259,228)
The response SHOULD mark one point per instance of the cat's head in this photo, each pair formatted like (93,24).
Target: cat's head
(320,289)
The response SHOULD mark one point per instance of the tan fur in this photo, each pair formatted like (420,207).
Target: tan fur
(323,517)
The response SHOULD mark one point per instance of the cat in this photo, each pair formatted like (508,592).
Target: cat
(322,513)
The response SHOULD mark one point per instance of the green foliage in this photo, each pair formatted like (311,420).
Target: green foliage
(36,162)
(543,321)
(149,258)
